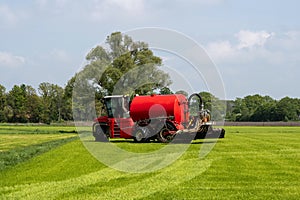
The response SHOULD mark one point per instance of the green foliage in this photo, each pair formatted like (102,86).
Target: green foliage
(22,104)
(116,62)
(3,116)
(250,163)
(165,90)
(289,109)
(182,92)
(120,67)
(264,108)
(215,105)
(16,100)
(52,101)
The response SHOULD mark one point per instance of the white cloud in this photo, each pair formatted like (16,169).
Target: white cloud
(8,60)
(249,39)
(221,50)
(249,45)
(258,62)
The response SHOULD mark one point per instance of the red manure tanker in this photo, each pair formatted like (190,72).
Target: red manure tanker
(155,117)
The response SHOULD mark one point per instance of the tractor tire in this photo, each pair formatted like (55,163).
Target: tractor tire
(164,136)
(222,135)
(99,134)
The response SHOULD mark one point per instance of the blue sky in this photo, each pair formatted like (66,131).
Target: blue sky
(254,44)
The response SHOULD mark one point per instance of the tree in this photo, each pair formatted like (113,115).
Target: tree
(265,112)
(66,110)
(121,67)
(230,116)
(165,90)
(264,108)
(240,110)
(16,100)
(215,105)
(52,101)
(182,92)
(288,109)
(22,105)
(2,103)
(33,105)
(248,108)
(125,67)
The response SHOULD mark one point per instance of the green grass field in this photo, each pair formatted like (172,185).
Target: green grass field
(250,163)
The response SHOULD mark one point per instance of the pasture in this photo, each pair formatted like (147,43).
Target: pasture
(249,163)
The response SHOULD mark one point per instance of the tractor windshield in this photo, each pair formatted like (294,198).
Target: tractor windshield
(116,106)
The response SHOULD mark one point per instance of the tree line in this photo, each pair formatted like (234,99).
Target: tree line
(23,104)
(259,108)
(251,108)
(52,103)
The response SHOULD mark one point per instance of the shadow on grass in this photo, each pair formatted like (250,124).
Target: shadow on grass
(203,142)
(129,141)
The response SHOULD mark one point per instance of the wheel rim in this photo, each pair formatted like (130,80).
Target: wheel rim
(164,134)
(98,130)
(139,135)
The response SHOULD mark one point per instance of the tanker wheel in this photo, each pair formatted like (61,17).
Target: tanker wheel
(100,135)
(140,135)
(164,135)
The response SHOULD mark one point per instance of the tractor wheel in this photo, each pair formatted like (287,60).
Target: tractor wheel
(164,135)
(141,134)
(99,134)
(222,135)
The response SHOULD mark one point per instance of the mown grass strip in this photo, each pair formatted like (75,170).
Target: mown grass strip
(20,154)
(134,187)
(67,161)
(11,141)
(36,129)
